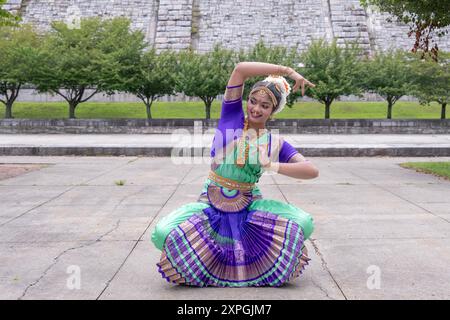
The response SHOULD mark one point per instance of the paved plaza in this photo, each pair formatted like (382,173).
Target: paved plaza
(68,231)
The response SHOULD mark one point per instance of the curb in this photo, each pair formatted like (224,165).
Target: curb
(167,151)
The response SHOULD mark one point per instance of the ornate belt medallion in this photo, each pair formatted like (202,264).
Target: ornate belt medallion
(228,200)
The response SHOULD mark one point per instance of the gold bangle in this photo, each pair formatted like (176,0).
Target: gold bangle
(283,71)
(292,71)
(280,70)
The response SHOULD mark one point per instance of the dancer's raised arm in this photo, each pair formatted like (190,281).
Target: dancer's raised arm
(245,70)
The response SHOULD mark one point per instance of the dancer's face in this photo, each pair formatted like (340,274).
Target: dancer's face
(259,107)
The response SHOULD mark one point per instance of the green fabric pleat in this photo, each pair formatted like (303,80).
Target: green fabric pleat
(288,211)
(173,219)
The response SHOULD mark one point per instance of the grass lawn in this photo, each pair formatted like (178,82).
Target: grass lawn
(440,169)
(196,110)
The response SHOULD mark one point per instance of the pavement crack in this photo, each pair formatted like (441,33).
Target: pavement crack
(108,232)
(316,249)
(126,197)
(56,259)
(142,235)
(325,266)
(322,289)
(39,205)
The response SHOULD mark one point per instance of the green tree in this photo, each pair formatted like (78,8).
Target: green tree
(70,62)
(424,17)
(7,18)
(389,75)
(121,50)
(18,53)
(97,56)
(432,81)
(334,70)
(155,75)
(205,75)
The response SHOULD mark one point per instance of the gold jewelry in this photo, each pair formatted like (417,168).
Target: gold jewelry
(291,72)
(230,183)
(261,93)
(266,90)
(282,70)
(245,141)
(230,201)
(243,155)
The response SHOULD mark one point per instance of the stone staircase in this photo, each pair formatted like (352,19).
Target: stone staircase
(349,23)
(237,24)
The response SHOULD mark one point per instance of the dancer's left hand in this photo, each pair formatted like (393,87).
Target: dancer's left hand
(300,81)
(263,157)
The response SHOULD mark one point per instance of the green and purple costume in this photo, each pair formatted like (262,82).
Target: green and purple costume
(260,245)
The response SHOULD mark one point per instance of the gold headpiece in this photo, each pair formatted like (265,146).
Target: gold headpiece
(263,91)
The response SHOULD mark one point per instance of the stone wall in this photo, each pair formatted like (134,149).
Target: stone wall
(166,126)
(174,25)
(180,24)
(41,13)
(240,24)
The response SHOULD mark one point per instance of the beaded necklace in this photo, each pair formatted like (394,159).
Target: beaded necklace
(244,143)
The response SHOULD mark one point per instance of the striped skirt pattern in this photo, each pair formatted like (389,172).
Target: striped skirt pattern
(253,247)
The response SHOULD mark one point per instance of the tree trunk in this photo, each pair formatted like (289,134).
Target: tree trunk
(327,109)
(10,101)
(148,106)
(208,109)
(72,106)
(8,110)
(389,111)
(443,105)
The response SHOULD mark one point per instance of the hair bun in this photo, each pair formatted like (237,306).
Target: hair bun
(280,82)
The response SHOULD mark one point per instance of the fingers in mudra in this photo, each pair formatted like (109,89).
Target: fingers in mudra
(258,155)
(262,155)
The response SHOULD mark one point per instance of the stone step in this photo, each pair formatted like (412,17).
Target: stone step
(196,145)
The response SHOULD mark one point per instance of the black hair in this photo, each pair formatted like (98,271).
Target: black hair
(273,88)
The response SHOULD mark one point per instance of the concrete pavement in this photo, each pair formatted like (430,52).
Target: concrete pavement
(381,231)
(319,145)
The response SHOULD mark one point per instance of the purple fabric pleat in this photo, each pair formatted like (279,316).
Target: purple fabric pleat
(249,248)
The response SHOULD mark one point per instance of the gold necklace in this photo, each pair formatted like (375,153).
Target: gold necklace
(243,155)
(258,134)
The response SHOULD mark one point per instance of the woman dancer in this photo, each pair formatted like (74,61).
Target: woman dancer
(232,236)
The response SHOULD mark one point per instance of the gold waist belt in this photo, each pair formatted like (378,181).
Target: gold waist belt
(230,183)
